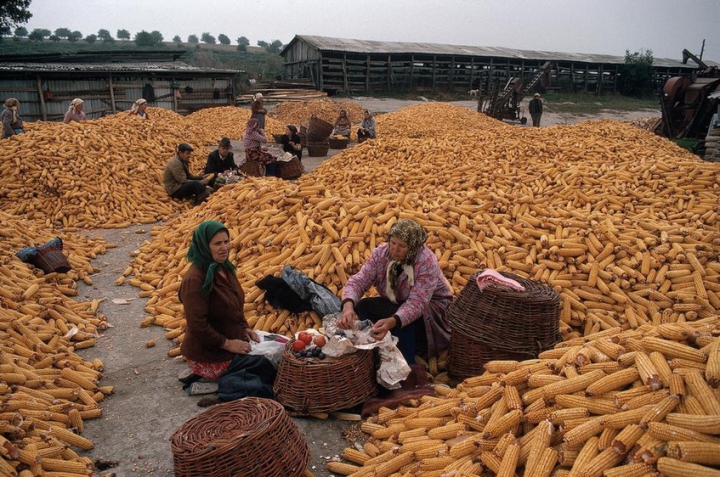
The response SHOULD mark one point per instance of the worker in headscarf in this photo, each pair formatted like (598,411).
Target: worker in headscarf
(414,293)
(139,108)
(342,125)
(536,108)
(258,110)
(75,111)
(11,122)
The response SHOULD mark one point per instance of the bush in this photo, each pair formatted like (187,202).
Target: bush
(637,75)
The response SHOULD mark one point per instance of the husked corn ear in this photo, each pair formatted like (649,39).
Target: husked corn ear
(697,452)
(673,349)
(669,432)
(613,382)
(600,463)
(509,461)
(627,438)
(707,424)
(712,370)
(677,468)
(699,388)
(630,470)
(342,468)
(354,455)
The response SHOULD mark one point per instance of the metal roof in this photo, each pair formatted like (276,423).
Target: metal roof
(346,45)
(108,67)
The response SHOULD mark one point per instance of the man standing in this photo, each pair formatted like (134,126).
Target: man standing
(178,181)
(535,108)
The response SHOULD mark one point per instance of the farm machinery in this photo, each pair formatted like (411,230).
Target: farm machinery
(504,103)
(688,105)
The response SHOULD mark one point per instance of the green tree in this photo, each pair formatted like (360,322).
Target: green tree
(62,32)
(21,32)
(637,74)
(105,36)
(262,44)
(243,41)
(5,31)
(91,38)
(74,36)
(275,46)
(223,39)
(156,37)
(177,39)
(39,34)
(193,39)
(14,12)
(123,35)
(143,38)
(208,39)
(54,38)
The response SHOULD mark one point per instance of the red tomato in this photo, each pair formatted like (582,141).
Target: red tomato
(298,345)
(319,341)
(305,337)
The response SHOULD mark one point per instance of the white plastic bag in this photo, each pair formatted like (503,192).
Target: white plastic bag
(271,346)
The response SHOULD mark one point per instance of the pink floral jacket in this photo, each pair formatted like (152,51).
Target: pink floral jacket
(427,299)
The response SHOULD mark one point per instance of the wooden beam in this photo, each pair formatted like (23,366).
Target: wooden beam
(345,75)
(389,73)
(412,66)
(367,73)
(43,109)
(434,72)
(320,72)
(112,94)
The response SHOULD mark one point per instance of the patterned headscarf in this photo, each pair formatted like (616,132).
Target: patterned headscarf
(137,104)
(74,103)
(200,255)
(414,235)
(251,125)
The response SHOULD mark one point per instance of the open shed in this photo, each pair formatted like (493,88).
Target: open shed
(111,81)
(355,66)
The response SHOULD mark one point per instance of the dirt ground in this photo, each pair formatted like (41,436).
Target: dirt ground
(148,404)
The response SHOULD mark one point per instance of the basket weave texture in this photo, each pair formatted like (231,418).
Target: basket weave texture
(50,257)
(309,385)
(500,323)
(318,149)
(318,129)
(291,169)
(248,437)
(335,143)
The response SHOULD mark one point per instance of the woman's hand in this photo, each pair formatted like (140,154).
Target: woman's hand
(252,336)
(236,346)
(381,328)
(348,316)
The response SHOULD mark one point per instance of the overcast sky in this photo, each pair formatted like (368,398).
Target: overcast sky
(575,26)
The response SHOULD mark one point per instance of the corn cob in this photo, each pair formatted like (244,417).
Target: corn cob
(676,468)
(696,452)
(704,423)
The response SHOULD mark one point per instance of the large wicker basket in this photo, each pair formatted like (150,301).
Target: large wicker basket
(318,129)
(248,437)
(337,143)
(500,323)
(310,385)
(318,149)
(291,169)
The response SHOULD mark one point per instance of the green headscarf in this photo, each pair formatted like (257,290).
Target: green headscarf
(199,253)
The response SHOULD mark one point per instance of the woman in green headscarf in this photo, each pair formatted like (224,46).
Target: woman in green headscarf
(213,301)
(413,293)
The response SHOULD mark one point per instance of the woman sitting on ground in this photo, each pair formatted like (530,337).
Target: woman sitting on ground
(291,141)
(414,293)
(342,125)
(258,162)
(367,127)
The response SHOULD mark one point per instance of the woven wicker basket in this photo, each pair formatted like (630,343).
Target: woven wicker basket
(291,169)
(318,149)
(504,321)
(318,129)
(253,168)
(248,437)
(336,143)
(467,357)
(51,259)
(309,385)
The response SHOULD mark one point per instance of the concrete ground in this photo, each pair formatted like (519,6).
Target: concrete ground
(148,404)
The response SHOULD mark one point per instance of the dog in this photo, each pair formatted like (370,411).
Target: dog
(473,92)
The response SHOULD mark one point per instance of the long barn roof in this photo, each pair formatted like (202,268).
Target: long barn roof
(347,45)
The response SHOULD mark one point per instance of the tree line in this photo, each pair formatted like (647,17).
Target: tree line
(141,38)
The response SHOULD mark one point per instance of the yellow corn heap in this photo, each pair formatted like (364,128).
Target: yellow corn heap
(661,436)
(299,112)
(46,389)
(211,124)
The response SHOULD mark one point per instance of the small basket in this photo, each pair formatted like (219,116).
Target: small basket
(291,169)
(318,149)
(50,258)
(253,169)
(309,385)
(336,143)
(250,436)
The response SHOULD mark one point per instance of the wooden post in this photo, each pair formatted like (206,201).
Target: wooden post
(434,72)
(451,74)
(174,96)
(320,73)
(112,93)
(412,67)
(389,73)
(600,81)
(367,73)
(472,72)
(43,109)
(616,79)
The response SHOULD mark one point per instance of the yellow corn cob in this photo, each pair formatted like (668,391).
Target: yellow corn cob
(630,470)
(512,398)
(509,461)
(421,444)
(646,399)
(601,462)
(627,438)
(355,456)
(696,452)
(342,468)
(712,369)
(594,405)
(499,426)
(660,410)
(587,453)
(61,465)
(673,349)
(606,438)
(574,438)
(705,424)
(699,388)
(571,385)
(393,465)
(668,432)
(448,431)
(648,374)
(677,468)
(403,435)
(613,382)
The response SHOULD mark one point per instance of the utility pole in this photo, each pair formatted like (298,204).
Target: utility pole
(702,49)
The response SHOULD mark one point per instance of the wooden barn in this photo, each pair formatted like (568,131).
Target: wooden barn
(111,81)
(361,66)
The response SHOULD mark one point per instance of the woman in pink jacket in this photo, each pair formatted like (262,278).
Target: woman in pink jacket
(414,293)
